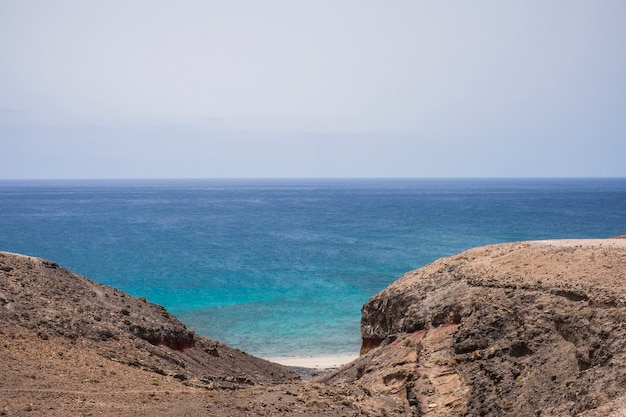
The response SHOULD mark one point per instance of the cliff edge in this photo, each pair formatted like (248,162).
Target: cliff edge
(521,329)
(525,329)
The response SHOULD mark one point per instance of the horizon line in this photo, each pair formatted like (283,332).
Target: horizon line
(308,178)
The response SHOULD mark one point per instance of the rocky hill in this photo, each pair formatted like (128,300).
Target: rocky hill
(521,329)
(72,347)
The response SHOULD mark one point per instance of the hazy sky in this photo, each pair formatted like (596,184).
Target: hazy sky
(341,88)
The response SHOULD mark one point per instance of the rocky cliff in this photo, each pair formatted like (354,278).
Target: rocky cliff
(521,329)
(526,329)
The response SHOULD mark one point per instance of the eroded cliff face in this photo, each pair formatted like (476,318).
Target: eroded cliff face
(523,329)
(530,329)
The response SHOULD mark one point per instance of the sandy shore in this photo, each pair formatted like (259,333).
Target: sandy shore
(315,362)
(616,242)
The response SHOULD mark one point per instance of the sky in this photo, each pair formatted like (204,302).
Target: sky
(303,88)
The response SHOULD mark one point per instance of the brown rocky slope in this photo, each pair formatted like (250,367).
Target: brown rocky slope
(72,347)
(524,329)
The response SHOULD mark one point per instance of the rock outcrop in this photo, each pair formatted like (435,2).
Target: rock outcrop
(521,329)
(40,296)
(72,347)
(526,329)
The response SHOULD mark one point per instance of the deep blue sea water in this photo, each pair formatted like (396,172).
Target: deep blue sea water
(282,267)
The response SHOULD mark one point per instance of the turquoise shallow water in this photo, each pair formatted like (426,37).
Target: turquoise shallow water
(282,267)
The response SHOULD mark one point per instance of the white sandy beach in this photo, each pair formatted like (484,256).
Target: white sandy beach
(315,362)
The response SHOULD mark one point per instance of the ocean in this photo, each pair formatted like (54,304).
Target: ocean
(282,267)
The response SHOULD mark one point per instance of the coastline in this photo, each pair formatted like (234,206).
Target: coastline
(314,362)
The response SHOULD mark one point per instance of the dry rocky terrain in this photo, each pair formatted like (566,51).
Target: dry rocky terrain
(521,329)
(526,329)
(72,347)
